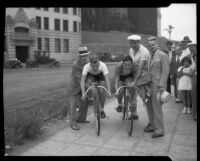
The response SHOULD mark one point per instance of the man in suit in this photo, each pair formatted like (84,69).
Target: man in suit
(175,64)
(170,54)
(75,90)
(158,66)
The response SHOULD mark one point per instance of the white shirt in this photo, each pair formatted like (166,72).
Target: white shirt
(141,54)
(185,52)
(88,69)
(170,56)
(185,82)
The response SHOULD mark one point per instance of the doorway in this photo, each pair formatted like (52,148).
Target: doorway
(22,53)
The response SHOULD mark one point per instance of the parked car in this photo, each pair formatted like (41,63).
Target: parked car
(12,63)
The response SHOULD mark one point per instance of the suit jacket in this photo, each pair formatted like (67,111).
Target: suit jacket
(175,64)
(74,85)
(172,67)
(159,69)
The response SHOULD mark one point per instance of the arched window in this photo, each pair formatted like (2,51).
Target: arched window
(21,30)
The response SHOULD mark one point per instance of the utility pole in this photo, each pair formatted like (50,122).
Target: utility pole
(169,30)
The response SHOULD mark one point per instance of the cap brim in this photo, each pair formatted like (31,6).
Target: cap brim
(186,41)
(85,54)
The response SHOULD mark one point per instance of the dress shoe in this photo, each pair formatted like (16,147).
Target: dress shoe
(119,108)
(75,127)
(155,135)
(149,128)
(85,121)
(103,115)
(178,101)
(135,117)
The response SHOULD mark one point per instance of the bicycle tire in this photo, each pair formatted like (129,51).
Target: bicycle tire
(130,123)
(98,122)
(124,106)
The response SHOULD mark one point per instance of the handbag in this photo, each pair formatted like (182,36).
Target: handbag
(144,79)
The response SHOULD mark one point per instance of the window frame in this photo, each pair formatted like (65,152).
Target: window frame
(55,26)
(46,18)
(40,23)
(59,45)
(66,45)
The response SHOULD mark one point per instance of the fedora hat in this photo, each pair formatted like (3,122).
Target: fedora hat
(186,39)
(83,51)
(164,97)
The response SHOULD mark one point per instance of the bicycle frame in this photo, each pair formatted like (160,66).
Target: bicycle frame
(126,108)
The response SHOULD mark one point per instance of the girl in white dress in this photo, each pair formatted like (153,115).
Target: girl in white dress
(185,83)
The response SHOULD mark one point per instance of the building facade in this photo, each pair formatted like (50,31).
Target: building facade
(45,31)
(130,20)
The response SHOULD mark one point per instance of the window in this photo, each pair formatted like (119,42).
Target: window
(57,9)
(38,21)
(57,24)
(79,27)
(46,9)
(37,8)
(74,11)
(46,23)
(65,25)
(57,45)
(75,26)
(39,44)
(65,10)
(21,30)
(46,44)
(66,45)
(79,11)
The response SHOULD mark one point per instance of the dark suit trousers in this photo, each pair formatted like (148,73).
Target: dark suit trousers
(77,102)
(169,84)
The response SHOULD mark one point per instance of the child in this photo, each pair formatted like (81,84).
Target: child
(185,83)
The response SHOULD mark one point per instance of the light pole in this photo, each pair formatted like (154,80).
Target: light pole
(169,30)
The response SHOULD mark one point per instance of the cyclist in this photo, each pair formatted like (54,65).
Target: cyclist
(125,73)
(95,72)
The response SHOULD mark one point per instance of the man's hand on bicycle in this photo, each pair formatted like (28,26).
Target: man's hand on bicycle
(109,95)
(132,84)
(84,97)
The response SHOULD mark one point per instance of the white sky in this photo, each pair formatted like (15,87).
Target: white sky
(183,18)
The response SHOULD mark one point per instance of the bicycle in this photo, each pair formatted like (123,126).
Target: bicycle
(127,108)
(97,109)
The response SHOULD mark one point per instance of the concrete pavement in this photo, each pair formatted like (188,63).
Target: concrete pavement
(179,142)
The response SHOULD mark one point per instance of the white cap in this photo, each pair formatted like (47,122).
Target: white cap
(134,37)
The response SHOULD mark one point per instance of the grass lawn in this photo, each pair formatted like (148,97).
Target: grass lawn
(30,96)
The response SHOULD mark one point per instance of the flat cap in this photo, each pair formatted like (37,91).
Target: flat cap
(134,37)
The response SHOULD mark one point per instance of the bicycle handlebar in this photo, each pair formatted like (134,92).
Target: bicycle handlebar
(125,87)
(97,87)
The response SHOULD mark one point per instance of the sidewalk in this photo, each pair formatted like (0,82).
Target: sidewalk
(179,142)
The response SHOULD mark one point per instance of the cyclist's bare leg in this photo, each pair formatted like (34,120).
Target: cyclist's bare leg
(121,92)
(133,92)
(88,83)
(93,93)
(102,94)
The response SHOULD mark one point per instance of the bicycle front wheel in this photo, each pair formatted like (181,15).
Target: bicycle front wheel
(97,120)
(130,122)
